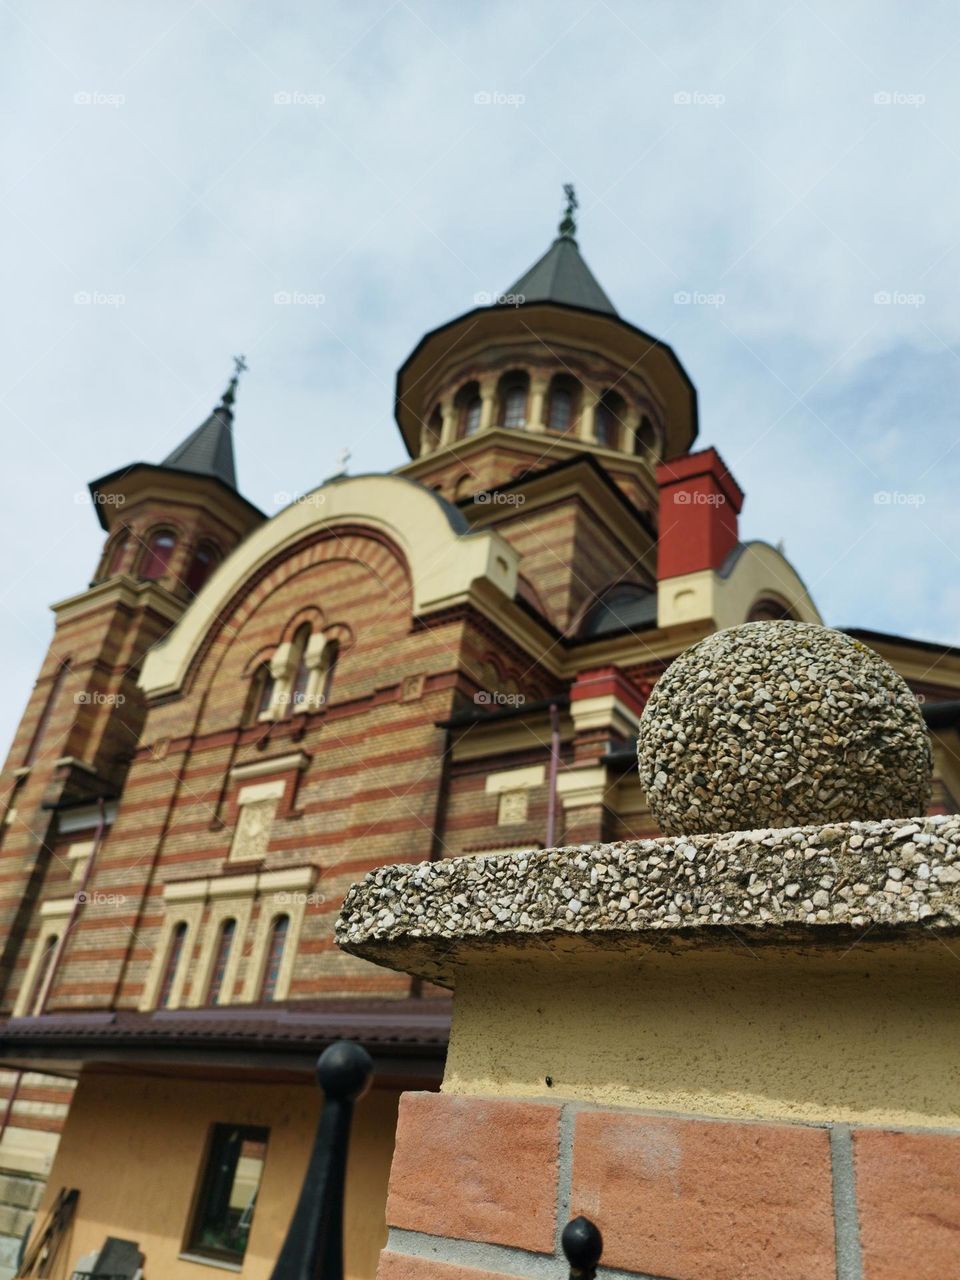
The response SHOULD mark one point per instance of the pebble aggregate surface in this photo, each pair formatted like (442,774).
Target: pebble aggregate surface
(774,724)
(888,876)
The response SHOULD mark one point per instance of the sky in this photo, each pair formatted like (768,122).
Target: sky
(773,189)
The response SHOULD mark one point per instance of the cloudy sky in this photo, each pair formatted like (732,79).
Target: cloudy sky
(793,169)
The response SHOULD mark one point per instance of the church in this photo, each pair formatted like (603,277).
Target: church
(242,714)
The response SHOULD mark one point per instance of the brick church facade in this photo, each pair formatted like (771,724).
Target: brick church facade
(241,715)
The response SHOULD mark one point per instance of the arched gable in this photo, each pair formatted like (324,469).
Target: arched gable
(443,559)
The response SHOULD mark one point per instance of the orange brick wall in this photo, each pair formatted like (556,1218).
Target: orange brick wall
(486,1185)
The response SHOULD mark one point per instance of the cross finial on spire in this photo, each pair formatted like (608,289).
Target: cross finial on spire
(239,366)
(568,224)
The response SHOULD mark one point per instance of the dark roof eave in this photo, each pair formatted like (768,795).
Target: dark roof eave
(562,306)
(121,472)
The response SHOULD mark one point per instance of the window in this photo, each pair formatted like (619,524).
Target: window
(229,1184)
(221,956)
(260,695)
(271,968)
(468,406)
(119,553)
(609,416)
(43,972)
(201,566)
(512,396)
(562,404)
(52,698)
(172,965)
(156,558)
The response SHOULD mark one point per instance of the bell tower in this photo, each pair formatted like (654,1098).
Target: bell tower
(167,527)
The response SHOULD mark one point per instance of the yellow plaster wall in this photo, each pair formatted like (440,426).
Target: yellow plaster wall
(134,1147)
(870,1035)
(761,571)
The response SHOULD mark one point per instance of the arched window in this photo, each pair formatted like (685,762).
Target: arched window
(645,441)
(172,965)
(220,960)
(274,958)
(118,552)
(609,419)
(201,566)
(260,694)
(468,406)
(512,399)
(156,558)
(301,672)
(40,977)
(562,404)
(48,708)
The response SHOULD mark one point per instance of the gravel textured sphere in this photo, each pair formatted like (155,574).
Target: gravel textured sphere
(778,724)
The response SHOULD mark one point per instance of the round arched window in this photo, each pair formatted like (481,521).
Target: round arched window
(156,558)
(201,566)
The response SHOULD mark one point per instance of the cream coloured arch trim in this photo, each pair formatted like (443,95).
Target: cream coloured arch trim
(443,563)
(758,572)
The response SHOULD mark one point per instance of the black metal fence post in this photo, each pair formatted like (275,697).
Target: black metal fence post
(313,1249)
(582,1246)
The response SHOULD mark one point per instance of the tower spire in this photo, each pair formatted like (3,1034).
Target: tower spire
(228,397)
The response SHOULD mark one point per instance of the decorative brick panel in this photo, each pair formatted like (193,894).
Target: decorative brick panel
(706,1200)
(476,1169)
(908,1191)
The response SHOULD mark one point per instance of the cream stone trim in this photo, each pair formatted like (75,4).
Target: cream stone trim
(88,816)
(28,1150)
(605,711)
(515,779)
(55,918)
(78,855)
(56,908)
(223,908)
(281,902)
(261,791)
(186,912)
(580,788)
(277,764)
(759,571)
(443,564)
(120,590)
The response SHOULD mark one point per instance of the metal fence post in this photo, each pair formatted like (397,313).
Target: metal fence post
(582,1246)
(313,1249)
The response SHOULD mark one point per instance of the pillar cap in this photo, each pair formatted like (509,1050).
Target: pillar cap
(816,887)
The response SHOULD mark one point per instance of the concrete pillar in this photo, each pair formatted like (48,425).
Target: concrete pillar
(488,396)
(448,432)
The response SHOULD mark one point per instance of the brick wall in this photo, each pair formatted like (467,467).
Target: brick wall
(485,1185)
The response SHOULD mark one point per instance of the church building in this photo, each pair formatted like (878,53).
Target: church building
(242,714)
